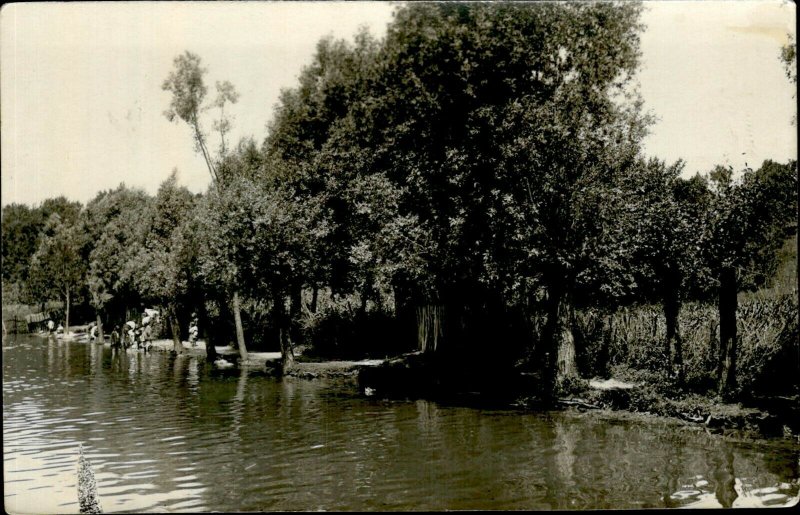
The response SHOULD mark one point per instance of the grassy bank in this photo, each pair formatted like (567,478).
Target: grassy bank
(631,346)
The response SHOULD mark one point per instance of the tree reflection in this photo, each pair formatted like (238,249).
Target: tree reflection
(720,461)
(673,469)
(566,436)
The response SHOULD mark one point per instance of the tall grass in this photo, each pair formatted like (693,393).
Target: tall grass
(634,340)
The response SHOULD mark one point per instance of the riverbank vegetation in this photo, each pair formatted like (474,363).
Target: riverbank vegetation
(472,186)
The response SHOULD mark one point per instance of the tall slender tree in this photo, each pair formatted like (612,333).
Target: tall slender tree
(188,90)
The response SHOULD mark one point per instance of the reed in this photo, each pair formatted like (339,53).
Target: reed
(768,349)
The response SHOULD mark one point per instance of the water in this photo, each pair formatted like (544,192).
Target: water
(166,434)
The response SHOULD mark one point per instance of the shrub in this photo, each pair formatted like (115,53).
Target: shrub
(341,333)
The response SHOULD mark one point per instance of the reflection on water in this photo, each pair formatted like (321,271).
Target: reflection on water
(166,434)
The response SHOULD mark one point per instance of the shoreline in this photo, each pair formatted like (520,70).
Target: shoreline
(604,399)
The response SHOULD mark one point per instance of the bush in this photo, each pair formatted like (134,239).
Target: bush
(337,333)
(769,353)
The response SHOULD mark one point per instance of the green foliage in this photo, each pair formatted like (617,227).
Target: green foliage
(747,222)
(57,270)
(258,238)
(20,231)
(468,117)
(112,226)
(226,93)
(187,87)
(481,159)
(159,265)
(21,228)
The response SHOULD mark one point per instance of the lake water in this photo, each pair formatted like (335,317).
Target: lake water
(167,434)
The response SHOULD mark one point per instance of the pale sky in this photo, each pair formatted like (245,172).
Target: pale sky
(82,102)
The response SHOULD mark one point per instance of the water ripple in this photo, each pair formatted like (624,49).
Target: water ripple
(165,434)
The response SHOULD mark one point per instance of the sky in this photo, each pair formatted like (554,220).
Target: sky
(82,105)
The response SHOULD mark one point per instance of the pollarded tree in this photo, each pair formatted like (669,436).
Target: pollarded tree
(660,224)
(748,220)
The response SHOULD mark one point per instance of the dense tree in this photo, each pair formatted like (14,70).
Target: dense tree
(261,239)
(160,265)
(480,166)
(21,227)
(487,125)
(309,152)
(111,226)
(492,121)
(57,269)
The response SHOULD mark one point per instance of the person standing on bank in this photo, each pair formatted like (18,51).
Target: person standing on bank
(131,332)
(193,330)
(115,338)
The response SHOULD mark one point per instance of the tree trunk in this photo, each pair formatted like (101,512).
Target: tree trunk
(284,339)
(211,350)
(314,295)
(727,331)
(405,314)
(548,342)
(430,327)
(673,344)
(237,316)
(175,329)
(567,365)
(559,344)
(295,312)
(365,293)
(66,315)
